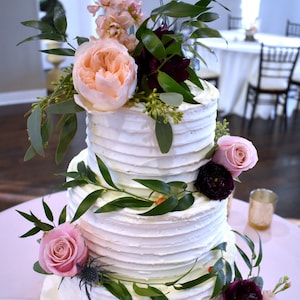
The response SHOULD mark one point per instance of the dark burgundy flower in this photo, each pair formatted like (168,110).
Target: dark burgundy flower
(214,181)
(175,67)
(243,290)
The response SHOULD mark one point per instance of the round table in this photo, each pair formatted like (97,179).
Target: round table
(281,248)
(235,60)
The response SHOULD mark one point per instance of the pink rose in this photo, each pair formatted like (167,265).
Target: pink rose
(236,154)
(104,75)
(61,249)
(268,295)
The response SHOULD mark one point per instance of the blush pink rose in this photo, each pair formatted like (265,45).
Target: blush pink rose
(104,75)
(61,249)
(236,154)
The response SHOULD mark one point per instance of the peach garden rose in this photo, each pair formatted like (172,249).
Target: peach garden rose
(236,154)
(62,249)
(104,75)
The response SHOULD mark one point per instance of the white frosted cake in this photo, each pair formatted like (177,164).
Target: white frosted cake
(149,250)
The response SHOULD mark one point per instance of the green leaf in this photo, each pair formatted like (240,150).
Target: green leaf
(260,254)
(64,107)
(168,84)
(30,153)
(60,51)
(47,211)
(59,19)
(178,185)
(44,36)
(31,232)
(205,32)
(67,134)
(30,218)
(164,135)
(123,202)
(155,185)
(63,215)
(245,257)
(149,291)
(105,173)
(37,268)
(176,9)
(118,289)
(208,17)
(164,207)
(173,99)
(40,25)
(185,202)
(153,44)
(86,203)
(81,40)
(192,283)
(72,184)
(34,131)
(221,246)
(219,284)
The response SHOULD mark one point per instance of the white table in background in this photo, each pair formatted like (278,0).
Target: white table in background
(235,60)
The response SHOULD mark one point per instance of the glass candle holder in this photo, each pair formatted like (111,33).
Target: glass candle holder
(262,204)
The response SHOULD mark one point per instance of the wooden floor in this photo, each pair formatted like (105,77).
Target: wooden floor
(278,167)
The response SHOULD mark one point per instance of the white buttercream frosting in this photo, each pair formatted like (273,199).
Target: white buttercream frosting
(149,249)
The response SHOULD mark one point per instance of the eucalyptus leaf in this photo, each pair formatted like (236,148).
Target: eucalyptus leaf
(173,99)
(30,153)
(67,134)
(86,204)
(164,135)
(164,207)
(65,107)
(34,130)
(155,185)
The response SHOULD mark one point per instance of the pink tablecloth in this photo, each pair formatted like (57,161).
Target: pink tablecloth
(281,249)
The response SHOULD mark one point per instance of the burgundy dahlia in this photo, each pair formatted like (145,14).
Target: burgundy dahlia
(175,66)
(243,290)
(214,181)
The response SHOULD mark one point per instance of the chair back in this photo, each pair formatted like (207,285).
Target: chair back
(276,67)
(292,29)
(234,22)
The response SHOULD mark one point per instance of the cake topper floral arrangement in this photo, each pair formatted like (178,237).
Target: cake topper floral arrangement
(135,59)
